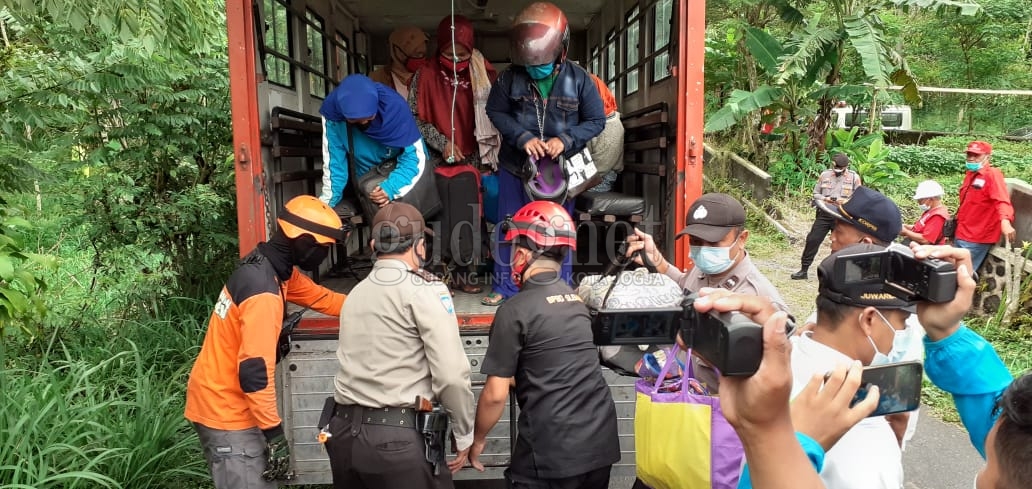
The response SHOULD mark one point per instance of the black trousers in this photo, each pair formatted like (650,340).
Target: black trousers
(822,225)
(366,456)
(596,479)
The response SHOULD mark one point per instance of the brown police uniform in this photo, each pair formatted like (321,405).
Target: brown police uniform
(399,338)
(829,185)
(742,278)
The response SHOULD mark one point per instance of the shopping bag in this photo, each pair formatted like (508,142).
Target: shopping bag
(682,439)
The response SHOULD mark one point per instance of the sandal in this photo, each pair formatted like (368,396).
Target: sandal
(493,299)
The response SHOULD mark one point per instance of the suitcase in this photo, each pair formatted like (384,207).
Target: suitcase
(461,219)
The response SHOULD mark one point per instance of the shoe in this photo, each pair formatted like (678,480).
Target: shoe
(800,275)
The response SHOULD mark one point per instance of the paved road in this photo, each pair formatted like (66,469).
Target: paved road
(938,457)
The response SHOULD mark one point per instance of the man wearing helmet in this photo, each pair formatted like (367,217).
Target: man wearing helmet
(928,228)
(541,340)
(546,109)
(985,212)
(231,394)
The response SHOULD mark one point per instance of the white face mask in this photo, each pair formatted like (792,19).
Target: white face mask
(924,207)
(899,344)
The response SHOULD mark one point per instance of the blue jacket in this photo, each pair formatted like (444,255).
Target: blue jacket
(412,162)
(963,364)
(574,112)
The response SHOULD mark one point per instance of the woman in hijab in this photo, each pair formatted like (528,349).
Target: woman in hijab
(382,129)
(448,95)
(473,140)
(408,47)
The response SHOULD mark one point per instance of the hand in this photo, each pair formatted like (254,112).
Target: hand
(555,147)
(642,241)
(474,454)
(452,153)
(941,320)
(277,452)
(379,197)
(457,463)
(908,227)
(1008,231)
(821,411)
(536,148)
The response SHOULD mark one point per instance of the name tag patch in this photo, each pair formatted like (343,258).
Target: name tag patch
(446,301)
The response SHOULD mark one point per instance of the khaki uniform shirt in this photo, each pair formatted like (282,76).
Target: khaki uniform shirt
(840,187)
(743,278)
(399,339)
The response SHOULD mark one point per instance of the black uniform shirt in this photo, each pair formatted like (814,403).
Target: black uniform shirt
(567,424)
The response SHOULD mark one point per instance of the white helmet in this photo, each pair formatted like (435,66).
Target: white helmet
(928,189)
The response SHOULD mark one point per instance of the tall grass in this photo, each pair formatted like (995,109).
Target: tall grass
(104,409)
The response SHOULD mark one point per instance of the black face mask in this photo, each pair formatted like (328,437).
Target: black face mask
(363,126)
(307,253)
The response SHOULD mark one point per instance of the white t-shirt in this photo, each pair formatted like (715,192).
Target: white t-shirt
(868,455)
(915,352)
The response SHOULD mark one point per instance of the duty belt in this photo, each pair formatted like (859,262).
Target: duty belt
(404,417)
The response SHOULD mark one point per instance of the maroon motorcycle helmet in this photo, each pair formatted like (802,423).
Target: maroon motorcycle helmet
(540,35)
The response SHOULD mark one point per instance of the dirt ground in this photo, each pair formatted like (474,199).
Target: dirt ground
(777,255)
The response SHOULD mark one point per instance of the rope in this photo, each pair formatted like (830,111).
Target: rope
(455,83)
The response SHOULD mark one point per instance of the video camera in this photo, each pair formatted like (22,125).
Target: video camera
(902,275)
(730,342)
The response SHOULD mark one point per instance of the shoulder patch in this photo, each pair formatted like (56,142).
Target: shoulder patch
(446,301)
(222,306)
(425,275)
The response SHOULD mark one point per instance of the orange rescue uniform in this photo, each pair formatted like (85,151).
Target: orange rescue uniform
(232,384)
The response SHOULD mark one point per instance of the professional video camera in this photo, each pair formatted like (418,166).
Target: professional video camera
(903,275)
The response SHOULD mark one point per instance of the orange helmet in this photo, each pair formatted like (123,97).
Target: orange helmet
(540,35)
(544,224)
(306,214)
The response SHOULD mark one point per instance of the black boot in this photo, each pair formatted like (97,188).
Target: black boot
(800,275)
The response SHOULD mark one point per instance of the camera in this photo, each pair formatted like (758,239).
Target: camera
(730,341)
(900,273)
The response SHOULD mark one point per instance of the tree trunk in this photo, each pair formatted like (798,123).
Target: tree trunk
(818,129)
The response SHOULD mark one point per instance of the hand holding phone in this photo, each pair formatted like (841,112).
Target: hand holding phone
(898,383)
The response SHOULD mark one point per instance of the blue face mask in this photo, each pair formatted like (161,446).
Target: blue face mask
(540,72)
(712,260)
(973,166)
(899,345)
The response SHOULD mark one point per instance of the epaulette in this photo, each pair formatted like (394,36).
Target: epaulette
(425,275)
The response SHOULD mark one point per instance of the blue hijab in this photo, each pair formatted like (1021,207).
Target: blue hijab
(358,97)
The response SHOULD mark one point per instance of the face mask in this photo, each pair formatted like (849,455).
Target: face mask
(973,166)
(924,207)
(308,254)
(712,259)
(420,259)
(364,126)
(540,72)
(839,171)
(899,345)
(518,269)
(451,65)
(411,64)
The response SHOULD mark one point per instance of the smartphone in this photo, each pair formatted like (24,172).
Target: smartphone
(898,383)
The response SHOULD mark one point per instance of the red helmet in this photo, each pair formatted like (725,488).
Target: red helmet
(540,35)
(544,224)
(980,148)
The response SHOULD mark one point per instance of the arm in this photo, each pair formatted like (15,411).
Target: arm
(431,135)
(592,119)
(966,365)
(491,406)
(811,449)
(302,290)
(449,368)
(499,110)
(412,162)
(932,231)
(335,158)
(817,195)
(1001,197)
(914,236)
(260,322)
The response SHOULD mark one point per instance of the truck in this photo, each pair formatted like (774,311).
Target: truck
(285,56)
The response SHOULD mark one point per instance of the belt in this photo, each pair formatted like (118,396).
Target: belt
(404,417)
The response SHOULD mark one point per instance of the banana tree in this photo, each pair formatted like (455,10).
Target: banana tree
(817,48)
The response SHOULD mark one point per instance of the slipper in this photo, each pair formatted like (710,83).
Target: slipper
(493,299)
(467,288)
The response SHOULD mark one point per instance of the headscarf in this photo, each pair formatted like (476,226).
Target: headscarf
(358,97)
(435,88)
(408,39)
